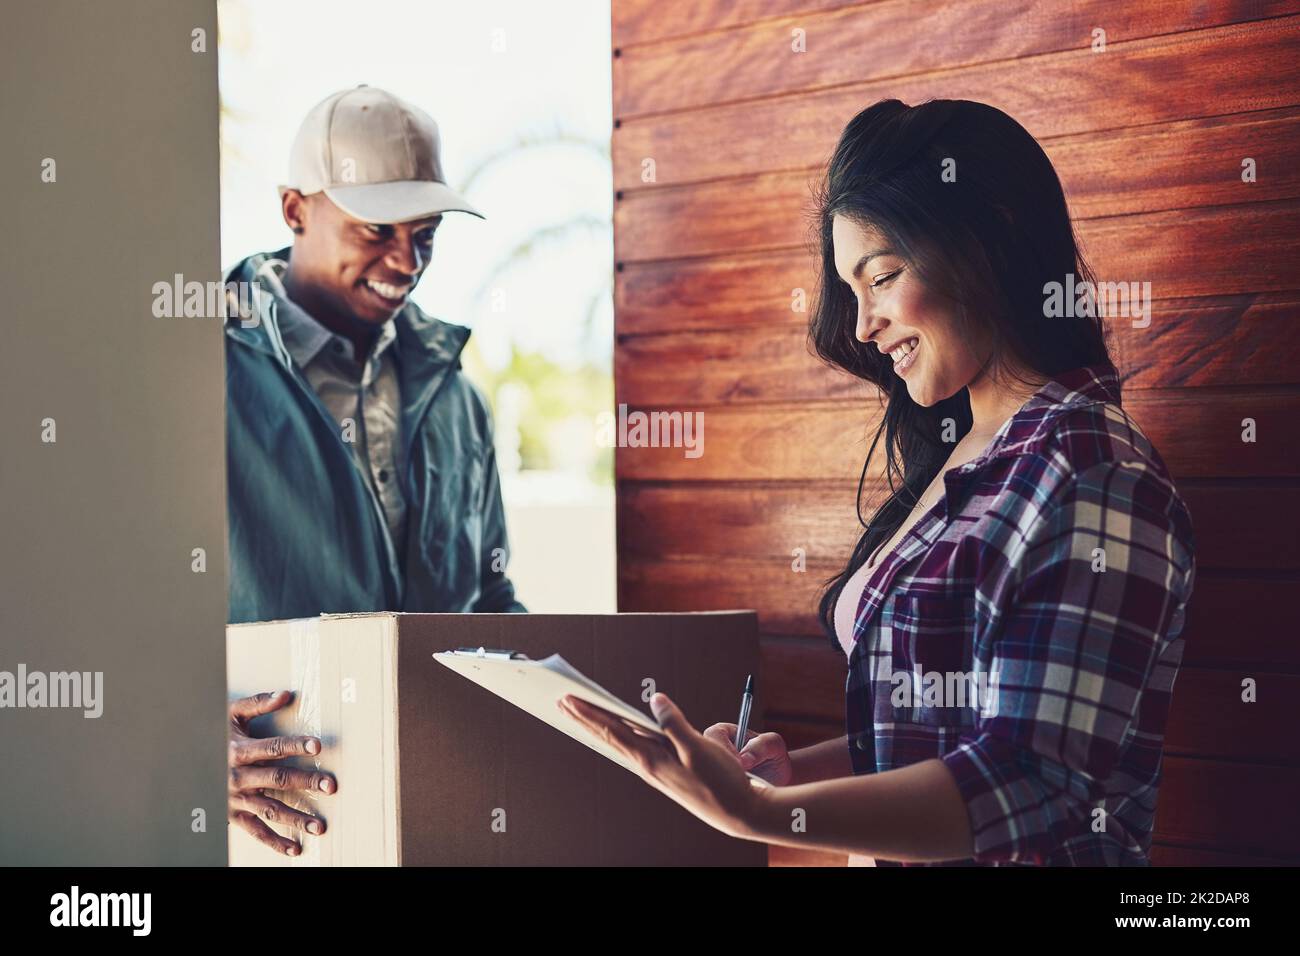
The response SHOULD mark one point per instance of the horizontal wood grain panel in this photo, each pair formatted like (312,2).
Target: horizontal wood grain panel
(801,678)
(1243,250)
(1147,169)
(1208,717)
(1222,340)
(1163,855)
(758,442)
(1247,526)
(771,363)
(747,213)
(786,601)
(1231,620)
(1248,339)
(803,733)
(645,21)
(770,521)
(1199,435)
(861,42)
(1238,807)
(743,520)
(1243,620)
(720,293)
(1111,173)
(1132,83)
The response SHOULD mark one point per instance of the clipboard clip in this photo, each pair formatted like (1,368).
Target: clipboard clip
(494,653)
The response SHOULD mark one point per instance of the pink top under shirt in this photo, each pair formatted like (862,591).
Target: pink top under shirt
(846,606)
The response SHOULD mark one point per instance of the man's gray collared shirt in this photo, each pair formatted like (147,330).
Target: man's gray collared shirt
(369,397)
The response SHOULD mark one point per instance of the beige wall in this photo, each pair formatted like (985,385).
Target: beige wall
(98,527)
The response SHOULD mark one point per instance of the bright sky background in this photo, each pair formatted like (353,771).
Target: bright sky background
(280,58)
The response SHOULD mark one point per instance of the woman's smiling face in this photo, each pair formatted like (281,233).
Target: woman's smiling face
(901,317)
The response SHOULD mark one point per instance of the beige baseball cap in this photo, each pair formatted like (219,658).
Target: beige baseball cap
(377,157)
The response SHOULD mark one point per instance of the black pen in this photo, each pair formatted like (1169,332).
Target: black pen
(746,703)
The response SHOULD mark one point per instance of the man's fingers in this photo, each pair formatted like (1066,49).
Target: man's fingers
(280,777)
(264,834)
(258,704)
(273,811)
(256,749)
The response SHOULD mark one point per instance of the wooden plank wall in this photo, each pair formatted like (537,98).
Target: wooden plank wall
(1148,138)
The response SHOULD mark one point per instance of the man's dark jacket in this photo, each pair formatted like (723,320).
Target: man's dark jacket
(306,534)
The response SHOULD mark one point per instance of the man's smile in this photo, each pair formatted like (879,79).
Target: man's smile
(388,294)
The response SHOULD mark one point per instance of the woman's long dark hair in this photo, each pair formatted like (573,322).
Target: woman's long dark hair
(988,236)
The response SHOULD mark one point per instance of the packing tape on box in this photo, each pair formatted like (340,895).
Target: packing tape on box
(304,663)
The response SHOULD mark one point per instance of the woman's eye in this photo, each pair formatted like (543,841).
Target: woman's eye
(884,279)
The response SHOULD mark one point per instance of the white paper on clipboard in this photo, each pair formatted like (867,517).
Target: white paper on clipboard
(537,686)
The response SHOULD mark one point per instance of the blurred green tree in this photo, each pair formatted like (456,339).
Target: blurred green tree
(555,401)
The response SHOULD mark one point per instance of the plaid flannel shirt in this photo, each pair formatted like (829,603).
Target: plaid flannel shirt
(1027,632)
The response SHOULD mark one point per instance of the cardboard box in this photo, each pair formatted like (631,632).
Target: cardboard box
(435,770)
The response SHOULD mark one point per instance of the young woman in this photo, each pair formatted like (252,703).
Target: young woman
(1011,615)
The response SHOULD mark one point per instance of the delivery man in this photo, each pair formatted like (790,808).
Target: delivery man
(361,469)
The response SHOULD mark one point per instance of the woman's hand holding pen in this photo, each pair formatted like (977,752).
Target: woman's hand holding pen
(764,755)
